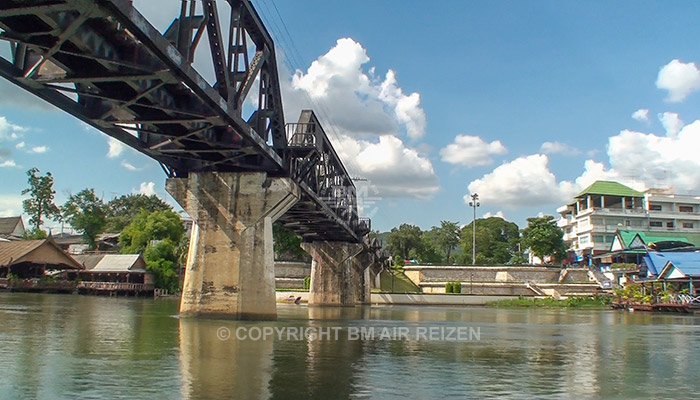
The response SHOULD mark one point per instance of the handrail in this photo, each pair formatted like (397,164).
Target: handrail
(114,286)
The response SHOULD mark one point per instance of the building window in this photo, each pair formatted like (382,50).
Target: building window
(655,207)
(685,209)
(598,238)
(583,239)
(688,225)
(656,224)
(669,224)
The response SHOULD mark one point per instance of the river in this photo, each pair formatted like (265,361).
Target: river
(65,347)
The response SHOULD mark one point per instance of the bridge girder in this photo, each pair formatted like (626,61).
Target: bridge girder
(104,63)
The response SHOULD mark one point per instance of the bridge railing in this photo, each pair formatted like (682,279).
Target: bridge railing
(301,135)
(314,161)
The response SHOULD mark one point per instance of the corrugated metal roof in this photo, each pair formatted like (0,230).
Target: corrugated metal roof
(628,236)
(8,225)
(118,263)
(687,262)
(89,260)
(610,188)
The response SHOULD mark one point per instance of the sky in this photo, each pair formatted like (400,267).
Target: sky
(524,103)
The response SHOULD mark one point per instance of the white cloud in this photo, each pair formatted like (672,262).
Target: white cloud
(9,164)
(20,145)
(10,205)
(390,167)
(406,108)
(471,151)
(360,104)
(146,188)
(116,148)
(679,79)
(525,181)
(130,166)
(659,161)
(671,122)
(528,181)
(641,115)
(557,147)
(498,214)
(38,149)
(364,117)
(9,131)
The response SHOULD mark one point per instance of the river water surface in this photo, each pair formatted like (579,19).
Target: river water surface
(63,346)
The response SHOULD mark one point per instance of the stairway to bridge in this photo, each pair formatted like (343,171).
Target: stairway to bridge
(232,162)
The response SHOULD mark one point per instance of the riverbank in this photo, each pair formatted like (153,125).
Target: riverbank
(596,301)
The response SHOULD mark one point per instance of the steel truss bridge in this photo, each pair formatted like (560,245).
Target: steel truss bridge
(104,63)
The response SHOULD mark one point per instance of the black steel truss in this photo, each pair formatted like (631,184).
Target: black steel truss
(104,63)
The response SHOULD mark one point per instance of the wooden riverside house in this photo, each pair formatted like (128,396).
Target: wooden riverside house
(36,265)
(115,274)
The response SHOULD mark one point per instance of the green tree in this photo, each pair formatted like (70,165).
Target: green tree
(121,210)
(403,239)
(159,236)
(87,213)
(446,238)
(40,202)
(287,244)
(427,251)
(544,238)
(496,241)
(147,227)
(162,259)
(34,234)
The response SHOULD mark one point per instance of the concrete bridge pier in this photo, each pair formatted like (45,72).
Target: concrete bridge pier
(230,264)
(336,278)
(367,266)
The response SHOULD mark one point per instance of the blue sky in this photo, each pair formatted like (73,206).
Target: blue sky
(525,103)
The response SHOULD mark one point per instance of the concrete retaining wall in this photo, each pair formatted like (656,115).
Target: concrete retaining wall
(435,299)
(413,299)
(502,280)
(291,274)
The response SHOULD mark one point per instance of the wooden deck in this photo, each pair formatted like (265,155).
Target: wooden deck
(114,287)
(686,308)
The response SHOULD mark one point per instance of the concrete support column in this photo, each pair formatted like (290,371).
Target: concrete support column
(230,265)
(335,273)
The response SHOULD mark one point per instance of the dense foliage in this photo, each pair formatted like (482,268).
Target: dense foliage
(287,244)
(158,236)
(497,242)
(122,209)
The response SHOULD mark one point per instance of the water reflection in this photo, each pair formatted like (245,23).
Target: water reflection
(76,346)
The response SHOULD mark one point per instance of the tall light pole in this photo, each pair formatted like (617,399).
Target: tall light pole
(474,204)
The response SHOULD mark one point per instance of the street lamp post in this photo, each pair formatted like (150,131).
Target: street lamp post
(474,204)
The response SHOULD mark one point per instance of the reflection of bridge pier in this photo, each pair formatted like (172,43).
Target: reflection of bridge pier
(222,367)
(230,267)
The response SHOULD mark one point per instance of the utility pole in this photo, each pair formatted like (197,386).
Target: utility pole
(474,204)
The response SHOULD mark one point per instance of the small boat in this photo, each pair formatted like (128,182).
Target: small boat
(291,299)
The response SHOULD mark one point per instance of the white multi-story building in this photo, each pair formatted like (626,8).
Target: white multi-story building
(591,220)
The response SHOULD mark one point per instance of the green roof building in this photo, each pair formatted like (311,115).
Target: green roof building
(594,216)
